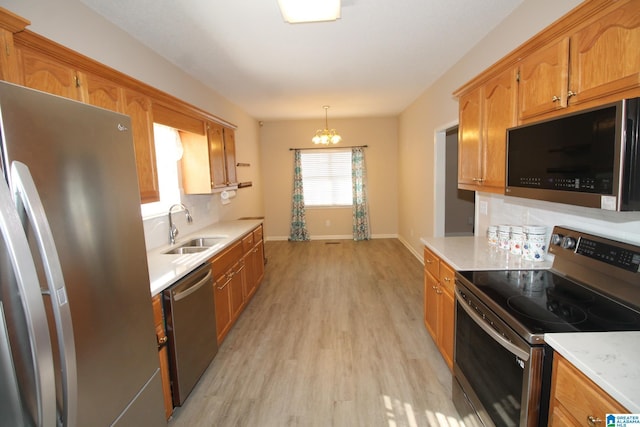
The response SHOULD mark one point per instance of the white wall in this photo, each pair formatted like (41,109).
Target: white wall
(379,133)
(72,24)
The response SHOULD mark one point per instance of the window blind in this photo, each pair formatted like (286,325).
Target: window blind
(326,178)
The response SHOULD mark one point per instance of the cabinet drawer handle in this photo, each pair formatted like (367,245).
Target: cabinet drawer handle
(593,421)
(555,99)
(447,279)
(435,288)
(480,180)
(229,278)
(162,341)
(429,261)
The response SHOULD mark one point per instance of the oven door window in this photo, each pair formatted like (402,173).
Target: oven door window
(495,374)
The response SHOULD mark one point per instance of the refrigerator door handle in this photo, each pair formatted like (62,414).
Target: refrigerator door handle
(28,286)
(27,197)
(10,406)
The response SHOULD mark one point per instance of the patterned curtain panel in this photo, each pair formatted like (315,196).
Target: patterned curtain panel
(360,209)
(299,231)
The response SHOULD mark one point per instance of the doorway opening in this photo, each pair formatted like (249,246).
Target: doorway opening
(459,204)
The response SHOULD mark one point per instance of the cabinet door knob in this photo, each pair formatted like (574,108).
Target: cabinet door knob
(555,99)
(593,421)
(571,93)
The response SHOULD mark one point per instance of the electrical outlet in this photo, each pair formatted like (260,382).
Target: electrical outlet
(484,208)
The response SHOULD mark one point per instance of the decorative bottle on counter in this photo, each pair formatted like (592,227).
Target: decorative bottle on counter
(492,235)
(534,248)
(504,233)
(516,240)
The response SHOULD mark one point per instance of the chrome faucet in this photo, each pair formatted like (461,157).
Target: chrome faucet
(173,230)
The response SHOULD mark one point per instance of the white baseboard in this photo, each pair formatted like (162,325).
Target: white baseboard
(418,255)
(333,237)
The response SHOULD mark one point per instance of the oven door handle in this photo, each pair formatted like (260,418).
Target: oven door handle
(504,342)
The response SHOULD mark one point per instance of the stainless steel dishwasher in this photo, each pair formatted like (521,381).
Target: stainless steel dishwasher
(191,327)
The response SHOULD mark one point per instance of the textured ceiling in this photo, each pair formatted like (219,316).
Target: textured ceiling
(374,61)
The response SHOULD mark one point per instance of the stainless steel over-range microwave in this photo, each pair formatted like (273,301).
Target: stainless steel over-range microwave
(589,158)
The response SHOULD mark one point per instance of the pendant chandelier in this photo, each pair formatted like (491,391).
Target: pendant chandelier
(326,136)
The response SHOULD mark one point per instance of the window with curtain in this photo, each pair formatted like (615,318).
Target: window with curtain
(326,177)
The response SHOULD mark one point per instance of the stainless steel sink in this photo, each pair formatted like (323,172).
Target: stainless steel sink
(198,244)
(203,241)
(183,250)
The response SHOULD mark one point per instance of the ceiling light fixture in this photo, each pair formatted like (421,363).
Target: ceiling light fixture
(297,11)
(326,136)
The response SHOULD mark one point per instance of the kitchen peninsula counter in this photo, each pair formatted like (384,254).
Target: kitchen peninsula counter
(465,253)
(609,359)
(166,269)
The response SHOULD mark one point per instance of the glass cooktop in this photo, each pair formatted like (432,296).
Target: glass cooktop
(545,302)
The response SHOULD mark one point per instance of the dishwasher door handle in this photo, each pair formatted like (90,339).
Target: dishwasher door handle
(191,289)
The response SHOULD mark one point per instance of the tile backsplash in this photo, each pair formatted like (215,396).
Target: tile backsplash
(203,209)
(623,226)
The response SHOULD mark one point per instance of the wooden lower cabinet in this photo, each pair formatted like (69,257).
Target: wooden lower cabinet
(576,400)
(227,283)
(237,271)
(439,304)
(253,246)
(163,354)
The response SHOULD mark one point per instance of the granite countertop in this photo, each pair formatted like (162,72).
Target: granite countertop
(610,359)
(475,253)
(166,269)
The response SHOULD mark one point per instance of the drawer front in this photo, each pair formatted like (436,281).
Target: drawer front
(431,263)
(447,276)
(580,396)
(223,262)
(257,234)
(247,242)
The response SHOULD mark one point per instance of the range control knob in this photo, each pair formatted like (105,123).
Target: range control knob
(568,242)
(556,239)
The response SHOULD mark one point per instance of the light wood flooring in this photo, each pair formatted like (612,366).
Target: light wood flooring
(334,336)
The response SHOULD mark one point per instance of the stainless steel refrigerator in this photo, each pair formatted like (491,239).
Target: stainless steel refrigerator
(77,340)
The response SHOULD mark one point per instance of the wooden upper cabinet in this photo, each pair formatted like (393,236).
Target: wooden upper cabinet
(605,56)
(230,156)
(216,155)
(10,23)
(98,91)
(498,113)
(138,107)
(469,140)
(44,73)
(485,114)
(543,85)
(209,162)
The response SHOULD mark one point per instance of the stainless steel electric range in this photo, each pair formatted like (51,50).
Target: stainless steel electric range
(502,367)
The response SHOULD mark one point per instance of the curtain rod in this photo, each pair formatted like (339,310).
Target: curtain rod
(324,148)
